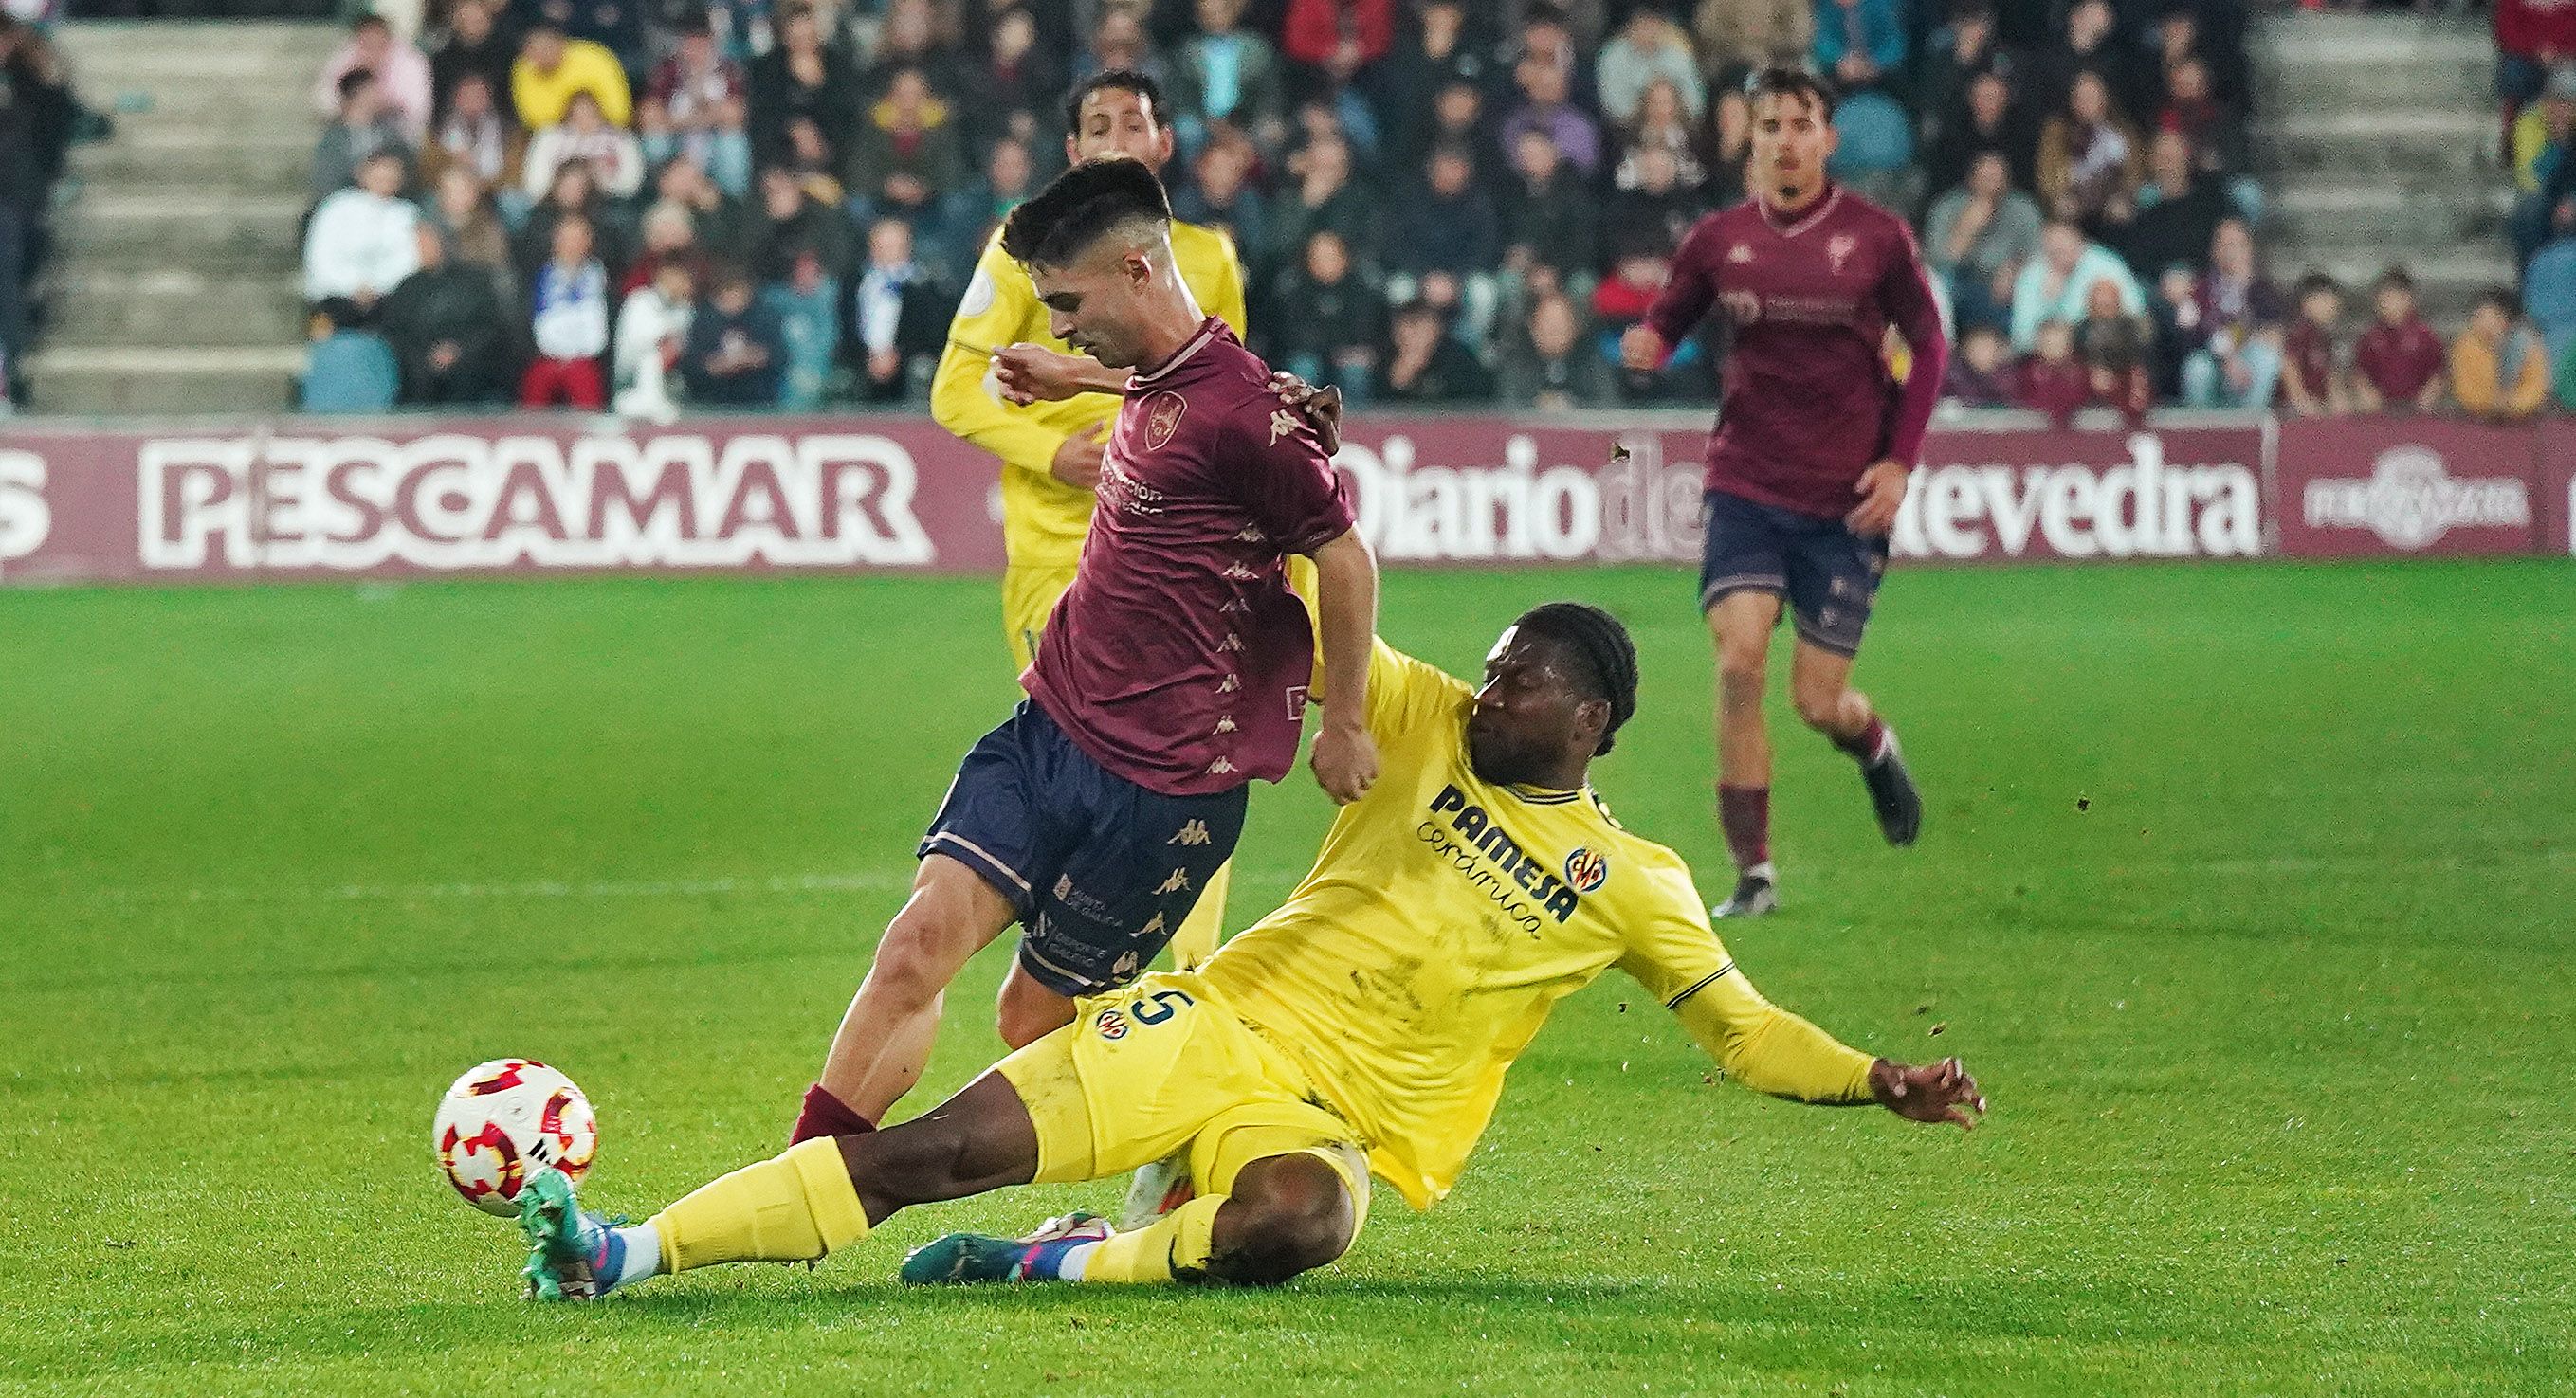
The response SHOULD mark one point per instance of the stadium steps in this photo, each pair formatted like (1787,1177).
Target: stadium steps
(175,285)
(2378,139)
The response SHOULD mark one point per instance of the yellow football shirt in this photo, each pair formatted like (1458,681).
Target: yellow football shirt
(1043,519)
(1446,916)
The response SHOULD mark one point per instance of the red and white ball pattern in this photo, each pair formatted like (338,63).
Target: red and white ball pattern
(505,1118)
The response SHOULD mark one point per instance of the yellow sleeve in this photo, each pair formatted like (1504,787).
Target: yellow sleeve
(998,303)
(1673,953)
(2530,135)
(616,100)
(1230,306)
(1403,692)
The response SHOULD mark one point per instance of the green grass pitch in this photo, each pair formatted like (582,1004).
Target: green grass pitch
(2247,891)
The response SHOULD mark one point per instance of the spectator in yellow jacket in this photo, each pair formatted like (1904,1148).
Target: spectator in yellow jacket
(551,68)
(2499,368)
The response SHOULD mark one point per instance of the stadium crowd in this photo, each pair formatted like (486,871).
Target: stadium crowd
(589,203)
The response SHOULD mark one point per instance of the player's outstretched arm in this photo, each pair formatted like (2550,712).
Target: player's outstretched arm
(1030,373)
(1345,757)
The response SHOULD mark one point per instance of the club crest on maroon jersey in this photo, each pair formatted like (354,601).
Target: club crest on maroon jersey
(1838,250)
(1163,411)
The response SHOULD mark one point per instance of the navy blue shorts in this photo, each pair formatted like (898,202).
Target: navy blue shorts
(1828,573)
(1100,870)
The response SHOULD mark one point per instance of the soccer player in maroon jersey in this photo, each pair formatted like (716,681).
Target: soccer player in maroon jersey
(1173,672)
(1810,458)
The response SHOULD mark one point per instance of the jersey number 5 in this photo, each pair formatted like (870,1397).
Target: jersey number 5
(1163,1006)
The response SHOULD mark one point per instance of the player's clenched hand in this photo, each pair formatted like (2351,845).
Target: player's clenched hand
(1882,491)
(1934,1093)
(1033,373)
(1321,407)
(1077,462)
(1345,761)
(1642,349)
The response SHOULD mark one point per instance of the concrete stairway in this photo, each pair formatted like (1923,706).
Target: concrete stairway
(2378,138)
(175,282)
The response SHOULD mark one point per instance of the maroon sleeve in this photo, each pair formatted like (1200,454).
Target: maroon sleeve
(1291,488)
(1906,294)
(1693,286)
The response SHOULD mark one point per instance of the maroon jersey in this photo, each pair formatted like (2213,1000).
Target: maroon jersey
(1808,404)
(2309,355)
(2400,359)
(1179,659)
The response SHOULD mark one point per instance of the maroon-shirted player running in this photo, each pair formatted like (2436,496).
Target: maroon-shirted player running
(1173,673)
(1813,448)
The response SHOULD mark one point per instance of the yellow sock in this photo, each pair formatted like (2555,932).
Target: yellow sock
(794,1208)
(1196,941)
(1171,1248)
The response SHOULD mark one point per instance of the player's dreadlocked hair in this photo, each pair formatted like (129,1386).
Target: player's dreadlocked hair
(1079,206)
(1602,644)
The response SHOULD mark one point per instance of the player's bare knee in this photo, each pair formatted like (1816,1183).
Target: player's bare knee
(918,956)
(1741,676)
(1287,1215)
(1819,709)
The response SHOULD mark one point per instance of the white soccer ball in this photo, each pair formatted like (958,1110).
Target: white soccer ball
(501,1121)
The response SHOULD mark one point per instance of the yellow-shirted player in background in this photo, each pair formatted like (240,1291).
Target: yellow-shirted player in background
(1362,1029)
(1051,451)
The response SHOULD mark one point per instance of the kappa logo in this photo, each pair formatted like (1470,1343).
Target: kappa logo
(1739,254)
(1153,927)
(1219,768)
(1838,250)
(1586,870)
(1228,685)
(1163,412)
(1224,725)
(1193,832)
(1111,1024)
(1177,883)
(1231,642)
(1282,423)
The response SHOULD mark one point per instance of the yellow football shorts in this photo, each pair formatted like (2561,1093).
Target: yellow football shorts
(1165,1064)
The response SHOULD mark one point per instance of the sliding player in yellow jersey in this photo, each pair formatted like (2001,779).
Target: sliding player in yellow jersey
(1363,1029)
(1051,450)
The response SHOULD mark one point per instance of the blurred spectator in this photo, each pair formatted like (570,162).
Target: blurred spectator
(1731,118)
(1547,109)
(1736,35)
(1446,225)
(614,157)
(1333,41)
(1978,238)
(2178,209)
(2090,157)
(1427,366)
(448,330)
(2531,36)
(552,67)
(1873,146)
(722,226)
(348,370)
(1860,43)
(1221,194)
(1547,363)
(1637,276)
(734,348)
(474,134)
(359,244)
(1981,375)
(2115,346)
(568,323)
(1648,50)
(2499,367)
(362,128)
(1010,177)
(1549,218)
(474,45)
(475,235)
(790,221)
(800,78)
(807,307)
(907,156)
(703,101)
(401,73)
(815,162)
(1660,202)
(573,195)
(652,330)
(669,236)
(2054,286)
(2238,364)
(909,39)
(1456,116)
(2216,132)
(1226,76)
(2549,283)
(2316,374)
(1332,334)
(1436,53)
(37,115)
(1959,51)
(2084,44)
(1324,199)
(2398,361)
(1018,84)
(2542,133)
(2053,381)
(899,311)
(1119,41)
(616,26)
(1664,124)
(1987,123)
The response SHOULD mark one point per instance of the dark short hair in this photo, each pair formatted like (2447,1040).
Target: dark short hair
(2315,282)
(2397,278)
(1147,91)
(370,21)
(1078,207)
(2502,298)
(1606,657)
(1781,80)
(354,79)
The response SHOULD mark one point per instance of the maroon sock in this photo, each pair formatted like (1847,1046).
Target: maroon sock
(1868,745)
(827,1115)
(1745,811)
